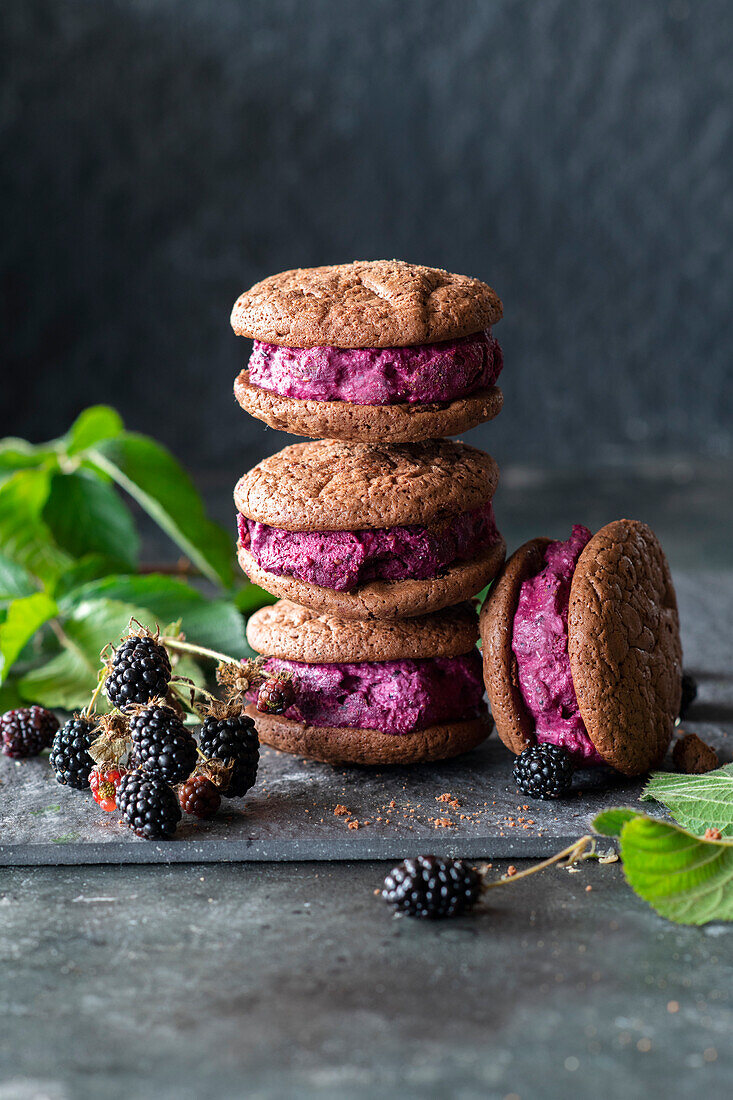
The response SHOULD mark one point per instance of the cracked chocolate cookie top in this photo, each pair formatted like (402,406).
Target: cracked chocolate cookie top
(330,485)
(293,633)
(364,304)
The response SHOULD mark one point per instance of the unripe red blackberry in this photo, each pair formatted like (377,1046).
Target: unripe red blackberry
(199,796)
(276,695)
(27,731)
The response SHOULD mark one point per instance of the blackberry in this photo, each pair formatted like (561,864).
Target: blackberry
(27,731)
(233,739)
(276,695)
(69,757)
(199,796)
(432,887)
(148,805)
(544,771)
(689,692)
(161,743)
(140,670)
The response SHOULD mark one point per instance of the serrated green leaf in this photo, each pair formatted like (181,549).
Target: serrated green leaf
(611,822)
(698,802)
(15,581)
(19,454)
(69,679)
(92,426)
(251,598)
(87,516)
(91,567)
(10,697)
(24,617)
(164,490)
(24,536)
(216,624)
(684,878)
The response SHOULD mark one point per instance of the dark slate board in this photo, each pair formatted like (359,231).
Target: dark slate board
(290,813)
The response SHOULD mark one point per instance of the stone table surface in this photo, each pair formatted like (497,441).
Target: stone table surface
(292,979)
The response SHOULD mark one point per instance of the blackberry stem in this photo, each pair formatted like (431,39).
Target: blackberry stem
(199,650)
(581,849)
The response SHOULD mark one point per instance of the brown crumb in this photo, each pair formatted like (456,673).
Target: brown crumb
(673,1006)
(442,822)
(588,889)
(341,811)
(443,797)
(692,756)
(353,824)
(511,870)
(712,834)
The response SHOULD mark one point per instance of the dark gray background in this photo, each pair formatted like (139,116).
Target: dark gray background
(158,156)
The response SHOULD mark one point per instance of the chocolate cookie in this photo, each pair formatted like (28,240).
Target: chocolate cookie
(384,599)
(368,303)
(623,645)
(402,423)
(329,485)
(295,633)
(341,745)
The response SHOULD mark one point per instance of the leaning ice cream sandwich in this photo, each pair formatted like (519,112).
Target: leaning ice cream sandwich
(377,351)
(370,532)
(373,692)
(581,647)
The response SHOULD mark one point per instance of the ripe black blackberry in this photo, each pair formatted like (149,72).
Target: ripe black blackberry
(276,695)
(544,771)
(689,692)
(27,731)
(234,738)
(161,743)
(148,805)
(432,887)
(69,757)
(139,671)
(199,796)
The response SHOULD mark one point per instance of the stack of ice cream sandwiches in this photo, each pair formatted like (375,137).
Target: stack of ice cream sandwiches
(376,536)
(377,533)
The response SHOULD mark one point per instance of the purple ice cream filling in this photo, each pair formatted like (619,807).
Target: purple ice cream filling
(390,696)
(540,643)
(341,560)
(422,374)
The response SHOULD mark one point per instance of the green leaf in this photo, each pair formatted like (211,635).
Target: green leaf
(251,598)
(19,454)
(216,624)
(87,516)
(15,581)
(684,878)
(91,567)
(95,424)
(10,697)
(69,679)
(25,616)
(611,822)
(159,484)
(697,801)
(24,536)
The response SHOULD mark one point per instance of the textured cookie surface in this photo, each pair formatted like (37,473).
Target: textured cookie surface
(514,723)
(624,645)
(339,745)
(384,599)
(294,633)
(367,423)
(330,485)
(365,304)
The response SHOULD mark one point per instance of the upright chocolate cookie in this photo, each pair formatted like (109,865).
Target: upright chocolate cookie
(328,485)
(295,633)
(624,644)
(368,303)
(401,423)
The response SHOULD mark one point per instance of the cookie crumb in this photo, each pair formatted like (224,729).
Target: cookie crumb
(353,824)
(341,811)
(442,822)
(588,889)
(511,870)
(692,756)
(673,1006)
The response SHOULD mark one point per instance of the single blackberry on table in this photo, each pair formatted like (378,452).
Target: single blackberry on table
(431,887)
(276,695)
(139,671)
(69,757)
(689,692)
(233,739)
(199,796)
(544,771)
(27,731)
(161,743)
(148,805)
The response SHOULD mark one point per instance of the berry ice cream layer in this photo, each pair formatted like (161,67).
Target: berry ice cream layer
(422,374)
(390,696)
(540,643)
(341,560)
